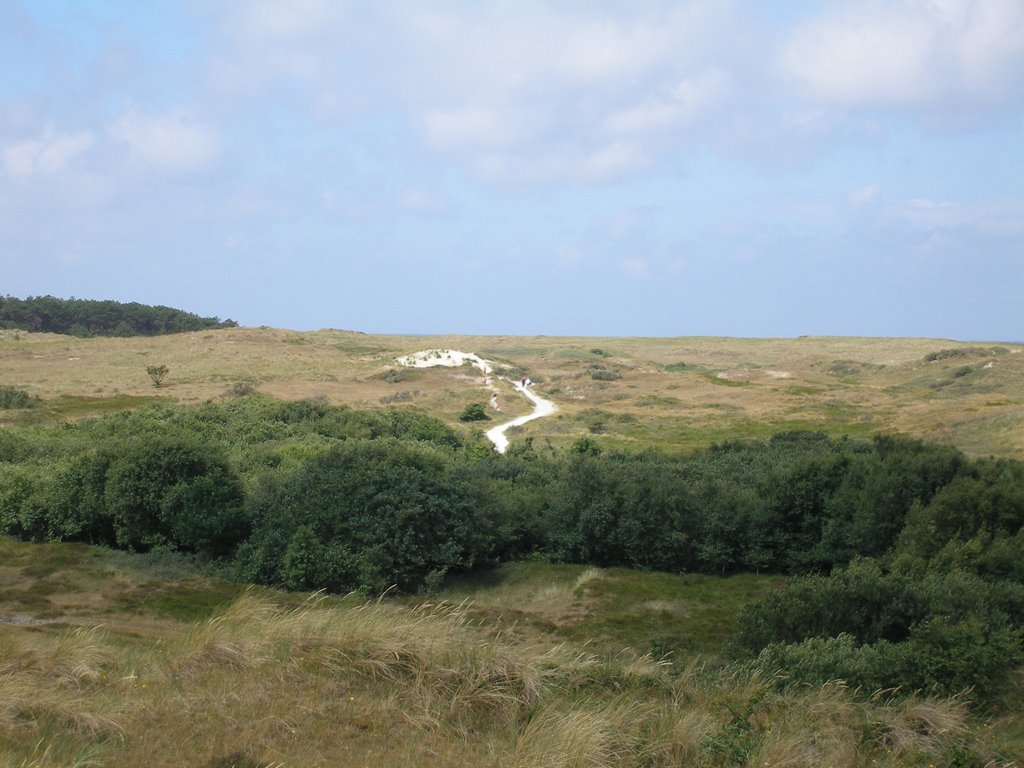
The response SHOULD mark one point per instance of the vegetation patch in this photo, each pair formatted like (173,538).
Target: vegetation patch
(946,354)
(474,412)
(398,375)
(13,397)
(721,381)
(185,601)
(70,407)
(603,374)
(658,401)
(679,367)
(405,396)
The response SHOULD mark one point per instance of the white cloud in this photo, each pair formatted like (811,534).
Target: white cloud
(526,91)
(48,154)
(169,142)
(499,49)
(541,92)
(986,222)
(535,92)
(909,54)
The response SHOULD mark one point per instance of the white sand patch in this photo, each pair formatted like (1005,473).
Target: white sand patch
(778,374)
(449,358)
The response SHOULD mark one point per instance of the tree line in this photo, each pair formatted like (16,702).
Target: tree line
(908,556)
(88,317)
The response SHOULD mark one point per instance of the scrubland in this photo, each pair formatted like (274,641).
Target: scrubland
(672,393)
(720,552)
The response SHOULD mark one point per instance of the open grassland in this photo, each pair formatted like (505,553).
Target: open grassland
(673,394)
(117,660)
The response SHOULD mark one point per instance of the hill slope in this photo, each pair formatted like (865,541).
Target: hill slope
(675,394)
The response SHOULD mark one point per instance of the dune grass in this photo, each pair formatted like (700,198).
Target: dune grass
(281,679)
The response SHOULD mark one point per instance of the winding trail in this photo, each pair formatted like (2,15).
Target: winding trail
(452,358)
(541,407)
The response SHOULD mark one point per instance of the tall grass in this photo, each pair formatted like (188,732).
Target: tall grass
(331,682)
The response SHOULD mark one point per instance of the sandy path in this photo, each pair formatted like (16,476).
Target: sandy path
(453,358)
(541,407)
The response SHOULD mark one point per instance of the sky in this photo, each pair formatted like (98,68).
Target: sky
(642,168)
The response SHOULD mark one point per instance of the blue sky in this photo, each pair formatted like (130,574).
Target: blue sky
(595,168)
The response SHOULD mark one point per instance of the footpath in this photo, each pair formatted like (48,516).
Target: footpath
(453,358)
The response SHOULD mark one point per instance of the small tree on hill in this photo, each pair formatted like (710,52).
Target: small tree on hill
(157,373)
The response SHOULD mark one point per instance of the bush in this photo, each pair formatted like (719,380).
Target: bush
(366,514)
(942,633)
(941,657)
(157,373)
(22,504)
(174,492)
(474,412)
(12,397)
(244,388)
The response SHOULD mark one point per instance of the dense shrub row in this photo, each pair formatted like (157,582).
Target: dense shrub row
(310,496)
(86,317)
(941,631)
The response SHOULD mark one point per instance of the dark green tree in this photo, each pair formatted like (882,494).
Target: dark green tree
(175,492)
(157,373)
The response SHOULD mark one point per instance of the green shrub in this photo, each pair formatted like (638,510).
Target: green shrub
(174,492)
(12,397)
(938,632)
(474,412)
(941,656)
(365,514)
(22,501)
(245,388)
(157,373)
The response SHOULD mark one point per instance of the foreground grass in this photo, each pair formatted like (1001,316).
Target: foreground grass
(260,678)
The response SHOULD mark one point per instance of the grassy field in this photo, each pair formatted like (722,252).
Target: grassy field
(114,659)
(674,394)
(119,660)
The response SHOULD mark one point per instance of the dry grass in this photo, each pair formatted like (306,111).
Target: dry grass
(329,682)
(672,393)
